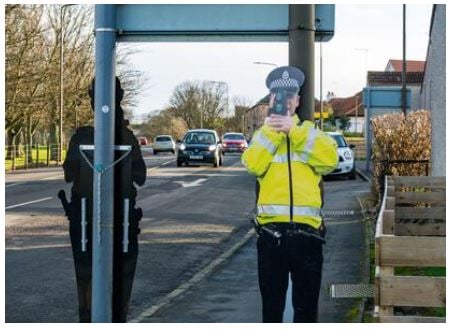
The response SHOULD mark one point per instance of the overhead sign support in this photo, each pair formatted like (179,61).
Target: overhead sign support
(144,23)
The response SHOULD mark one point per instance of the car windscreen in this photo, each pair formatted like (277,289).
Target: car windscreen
(233,137)
(162,139)
(339,140)
(199,138)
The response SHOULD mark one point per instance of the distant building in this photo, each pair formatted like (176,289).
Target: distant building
(255,116)
(392,77)
(433,90)
(411,66)
(350,107)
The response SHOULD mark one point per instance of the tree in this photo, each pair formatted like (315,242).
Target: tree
(24,81)
(200,104)
(344,123)
(33,41)
(162,122)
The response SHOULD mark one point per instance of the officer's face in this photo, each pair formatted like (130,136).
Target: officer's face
(291,102)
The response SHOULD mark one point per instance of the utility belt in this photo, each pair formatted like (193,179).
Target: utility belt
(275,232)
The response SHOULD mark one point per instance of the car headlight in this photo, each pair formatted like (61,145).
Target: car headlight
(182,147)
(212,147)
(348,155)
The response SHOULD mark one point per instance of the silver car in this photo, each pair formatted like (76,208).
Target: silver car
(164,143)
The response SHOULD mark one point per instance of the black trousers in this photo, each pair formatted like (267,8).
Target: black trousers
(302,258)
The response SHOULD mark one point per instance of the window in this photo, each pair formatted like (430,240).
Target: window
(199,138)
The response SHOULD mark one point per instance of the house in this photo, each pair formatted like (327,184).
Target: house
(411,66)
(393,79)
(350,107)
(255,116)
(433,89)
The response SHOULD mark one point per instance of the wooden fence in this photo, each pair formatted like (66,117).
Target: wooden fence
(410,232)
(360,146)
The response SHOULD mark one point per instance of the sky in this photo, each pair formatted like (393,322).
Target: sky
(366,37)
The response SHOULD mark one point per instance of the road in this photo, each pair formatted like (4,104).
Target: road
(193,217)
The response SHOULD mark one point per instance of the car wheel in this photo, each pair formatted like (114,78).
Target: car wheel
(179,164)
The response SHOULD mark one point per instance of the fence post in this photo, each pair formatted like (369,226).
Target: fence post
(26,156)
(14,157)
(37,155)
(48,153)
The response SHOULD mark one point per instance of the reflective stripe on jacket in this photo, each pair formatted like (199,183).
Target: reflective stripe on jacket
(289,169)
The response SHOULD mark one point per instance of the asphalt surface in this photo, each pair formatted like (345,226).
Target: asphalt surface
(192,216)
(231,294)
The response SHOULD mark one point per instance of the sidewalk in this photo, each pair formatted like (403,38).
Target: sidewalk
(362,171)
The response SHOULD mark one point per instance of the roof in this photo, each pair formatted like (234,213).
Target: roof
(411,66)
(265,100)
(393,78)
(345,106)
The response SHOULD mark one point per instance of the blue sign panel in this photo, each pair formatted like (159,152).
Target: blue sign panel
(385,97)
(214,22)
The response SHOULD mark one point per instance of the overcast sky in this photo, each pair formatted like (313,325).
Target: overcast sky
(377,28)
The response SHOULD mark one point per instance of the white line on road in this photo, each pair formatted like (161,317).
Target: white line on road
(43,179)
(13,184)
(192,281)
(32,247)
(22,204)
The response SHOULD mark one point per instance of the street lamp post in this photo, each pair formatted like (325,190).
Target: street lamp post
(321,88)
(60,154)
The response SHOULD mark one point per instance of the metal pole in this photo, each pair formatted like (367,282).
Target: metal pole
(301,54)
(321,88)
(61,83)
(356,113)
(103,191)
(404,63)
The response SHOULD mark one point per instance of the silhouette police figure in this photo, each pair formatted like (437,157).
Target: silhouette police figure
(131,169)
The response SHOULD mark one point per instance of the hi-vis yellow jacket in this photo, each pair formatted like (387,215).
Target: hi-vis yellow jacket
(289,169)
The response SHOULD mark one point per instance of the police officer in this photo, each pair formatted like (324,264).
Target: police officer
(289,157)
(131,169)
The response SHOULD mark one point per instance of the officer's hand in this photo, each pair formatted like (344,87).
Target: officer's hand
(280,123)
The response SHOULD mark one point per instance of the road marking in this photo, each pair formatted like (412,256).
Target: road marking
(47,246)
(188,184)
(53,177)
(22,204)
(162,164)
(13,184)
(43,179)
(195,279)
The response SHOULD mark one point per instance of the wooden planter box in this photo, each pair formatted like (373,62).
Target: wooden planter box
(410,232)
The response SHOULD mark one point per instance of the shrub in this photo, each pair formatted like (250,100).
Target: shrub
(400,138)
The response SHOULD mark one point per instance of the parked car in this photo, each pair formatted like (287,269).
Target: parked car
(164,143)
(234,142)
(200,146)
(142,141)
(346,165)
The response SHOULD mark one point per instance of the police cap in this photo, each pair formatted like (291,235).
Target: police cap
(285,77)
